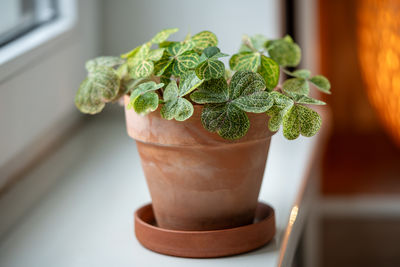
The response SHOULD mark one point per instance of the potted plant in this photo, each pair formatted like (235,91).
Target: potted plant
(203,132)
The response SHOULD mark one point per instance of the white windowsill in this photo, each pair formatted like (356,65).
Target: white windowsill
(86,219)
(18,54)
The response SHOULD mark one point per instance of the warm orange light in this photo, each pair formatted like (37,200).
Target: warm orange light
(379,54)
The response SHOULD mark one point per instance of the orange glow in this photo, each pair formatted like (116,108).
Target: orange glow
(379,54)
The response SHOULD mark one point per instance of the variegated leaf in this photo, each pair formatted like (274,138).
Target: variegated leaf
(244,83)
(161,65)
(156,54)
(189,82)
(103,61)
(175,106)
(255,43)
(210,69)
(99,87)
(281,105)
(245,61)
(211,91)
(256,102)
(163,35)
(184,62)
(226,119)
(269,70)
(300,120)
(177,49)
(204,39)
(321,83)
(285,52)
(143,99)
(296,85)
(141,69)
(303,99)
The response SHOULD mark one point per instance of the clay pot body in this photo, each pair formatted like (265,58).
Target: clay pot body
(198,180)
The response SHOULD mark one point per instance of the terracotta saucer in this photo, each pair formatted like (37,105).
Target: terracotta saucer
(205,244)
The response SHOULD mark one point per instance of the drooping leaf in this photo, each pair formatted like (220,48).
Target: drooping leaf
(281,104)
(105,61)
(269,70)
(245,61)
(175,106)
(296,85)
(163,35)
(300,120)
(303,99)
(284,51)
(302,73)
(99,87)
(321,83)
(204,39)
(144,99)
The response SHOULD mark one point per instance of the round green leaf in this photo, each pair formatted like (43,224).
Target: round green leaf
(204,39)
(245,61)
(285,53)
(210,69)
(321,83)
(269,70)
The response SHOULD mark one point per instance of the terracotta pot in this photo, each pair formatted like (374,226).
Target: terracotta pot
(198,180)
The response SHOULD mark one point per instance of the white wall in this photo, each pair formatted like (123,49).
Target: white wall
(128,23)
(39,96)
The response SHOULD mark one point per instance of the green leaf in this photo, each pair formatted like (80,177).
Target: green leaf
(162,65)
(296,85)
(257,102)
(131,53)
(211,91)
(226,115)
(210,69)
(244,83)
(99,87)
(141,69)
(177,49)
(156,54)
(163,35)
(175,106)
(269,70)
(245,61)
(213,52)
(300,120)
(321,83)
(184,62)
(189,82)
(281,105)
(204,39)
(284,52)
(143,99)
(303,99)
(226,119)
(103,61)
(302,73)
(255,43)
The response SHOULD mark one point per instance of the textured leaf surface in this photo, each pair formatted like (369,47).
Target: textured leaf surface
(296,85)
(184,62)
(245,61)
(226,119)
(281,104)
(211,91)
(300,120)
(156,54)
(161,65)
(175,106)
(141,69)
(163,35)
(143,99)
(189,82)
(204,39)
(269,70)
(303,99)
(321,83)
(100,86)
(227,115)
(103,61)
(284,52)
(210,69)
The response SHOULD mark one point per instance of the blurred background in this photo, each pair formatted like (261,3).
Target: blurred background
(356,44)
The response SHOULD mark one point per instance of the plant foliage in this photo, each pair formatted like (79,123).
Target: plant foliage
(174,75)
